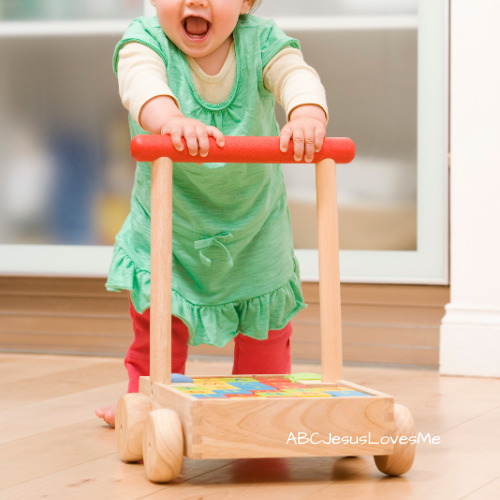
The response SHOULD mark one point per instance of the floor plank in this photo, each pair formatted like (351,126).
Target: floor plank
(19,422)
(487,492)
(276,479)
(52,447)
(466,458)
(104,478)
(14,367)
(55,450)
(38,388)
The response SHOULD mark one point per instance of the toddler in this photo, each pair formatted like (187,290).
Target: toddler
(199,69)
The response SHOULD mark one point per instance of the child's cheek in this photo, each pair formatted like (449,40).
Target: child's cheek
(224,22)
(168,18)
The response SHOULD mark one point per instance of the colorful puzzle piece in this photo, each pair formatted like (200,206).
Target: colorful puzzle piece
(236,391)
(239,395)
(253,386)
(261,387)
(302,376)
(337,393)
(193,389)
(269,394)
(281,383)
(178,378)
(310,392)
(205,396)
(238,379)
(211,382)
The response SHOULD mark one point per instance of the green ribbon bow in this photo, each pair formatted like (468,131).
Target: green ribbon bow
(219,240)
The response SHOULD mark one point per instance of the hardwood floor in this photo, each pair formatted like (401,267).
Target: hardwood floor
(52,446)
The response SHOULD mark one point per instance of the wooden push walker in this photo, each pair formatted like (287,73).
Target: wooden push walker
(240,417)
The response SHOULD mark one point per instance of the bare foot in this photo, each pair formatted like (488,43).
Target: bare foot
(107,413)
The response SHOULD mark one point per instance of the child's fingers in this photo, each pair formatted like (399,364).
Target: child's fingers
(203,140)
(310,142)
(298,144)
(217,135)
(176,136)
(191,139)
(319,137)
(285,136)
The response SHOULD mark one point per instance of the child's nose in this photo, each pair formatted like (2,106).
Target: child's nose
(197,3)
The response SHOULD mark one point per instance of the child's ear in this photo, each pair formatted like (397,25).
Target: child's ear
(245,7)
(153,3)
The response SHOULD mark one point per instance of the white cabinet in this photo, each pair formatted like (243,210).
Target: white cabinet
(384,64)
(50,10)
(66,177)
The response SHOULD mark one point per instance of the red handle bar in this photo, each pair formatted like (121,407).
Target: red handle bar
(238,150)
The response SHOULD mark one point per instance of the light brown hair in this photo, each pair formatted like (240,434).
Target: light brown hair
(255,6)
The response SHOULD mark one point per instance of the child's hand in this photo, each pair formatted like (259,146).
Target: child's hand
(307,128)
(195,132)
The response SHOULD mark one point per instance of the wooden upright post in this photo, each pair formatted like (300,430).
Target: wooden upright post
(329,272)
(161,272)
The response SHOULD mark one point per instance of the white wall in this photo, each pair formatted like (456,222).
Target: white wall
(470,334)
(149,10)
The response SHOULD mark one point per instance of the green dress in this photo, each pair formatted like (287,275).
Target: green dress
(234,269)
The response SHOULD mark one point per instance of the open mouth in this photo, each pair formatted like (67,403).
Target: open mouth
(196,28)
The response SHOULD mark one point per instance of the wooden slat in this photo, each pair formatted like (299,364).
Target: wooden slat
(65,344)
(412,295)
(69,315)
(415,295)
(383,354)
(11,285)
(369,334)
(310,292)
(379,314)
(65,324)
(371,354)
(60,304)
(376,314)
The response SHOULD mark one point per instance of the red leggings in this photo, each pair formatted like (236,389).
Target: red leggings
(251,356)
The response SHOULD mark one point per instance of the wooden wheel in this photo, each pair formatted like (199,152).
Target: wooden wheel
(402,459)
(131,413)
(162,445)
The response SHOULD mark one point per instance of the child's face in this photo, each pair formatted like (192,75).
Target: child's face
(198,27)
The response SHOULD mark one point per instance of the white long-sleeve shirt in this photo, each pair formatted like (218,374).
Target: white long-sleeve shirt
(142,76)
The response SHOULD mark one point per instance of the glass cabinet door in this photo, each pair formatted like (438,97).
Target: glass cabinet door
(66,174)
(383,65)
(37,10)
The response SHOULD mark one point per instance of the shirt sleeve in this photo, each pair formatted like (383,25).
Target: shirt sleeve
(293,82)
(141,76)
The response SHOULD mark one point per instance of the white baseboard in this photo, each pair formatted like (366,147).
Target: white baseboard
(470,341)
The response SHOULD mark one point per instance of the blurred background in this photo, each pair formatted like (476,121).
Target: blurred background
(35,10)
(65,172)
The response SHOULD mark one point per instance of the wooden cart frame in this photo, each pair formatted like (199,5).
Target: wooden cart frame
(161,424)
